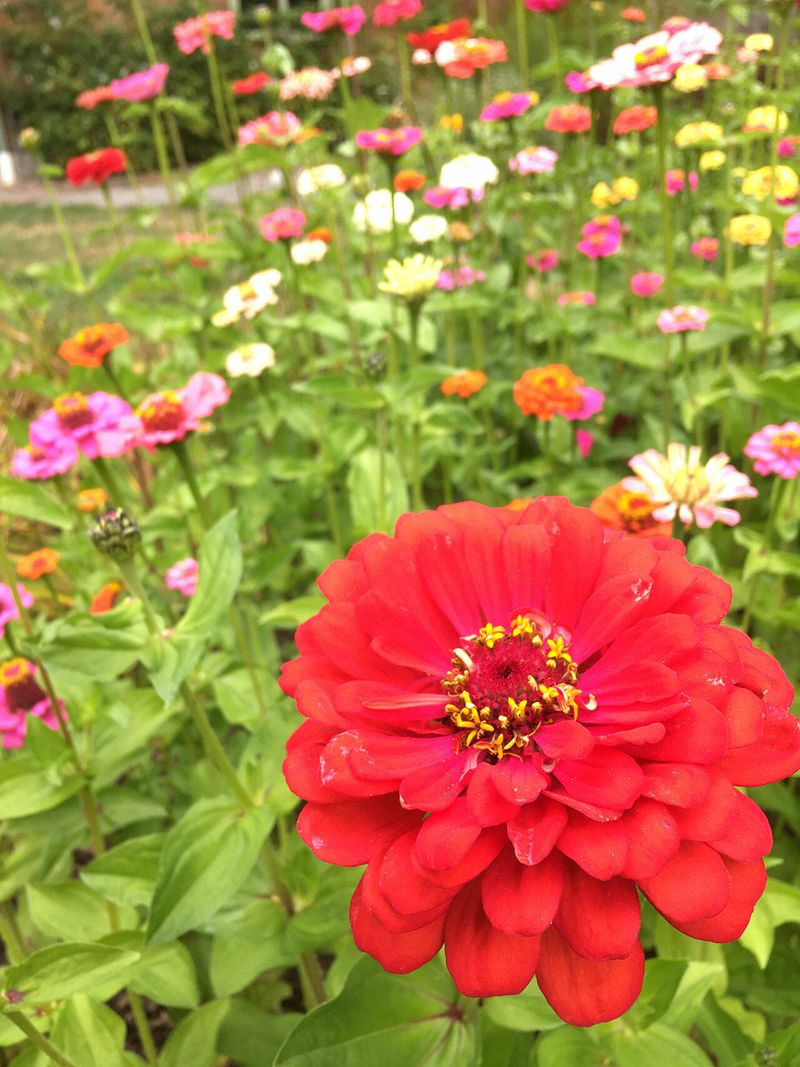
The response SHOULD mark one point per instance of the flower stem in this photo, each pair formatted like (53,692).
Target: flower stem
(43,1044)
(522,43)
(416,427)
(143,1028)
(666,237)
(160,142)
(66,236)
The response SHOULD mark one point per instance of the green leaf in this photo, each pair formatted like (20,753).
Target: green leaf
(194,1041)
(245,948)
(779,904)
(227,167)
(570,1046)
(251,1036)
(30,500)
(236,696)
(207,856)
(58,971)
(657,1044)
(289,614)
(99,647)
(90,1033)
(25,789)
(528,1011)
(367,481)
(71,910)
(384,1019)
(166,974)
(127,874)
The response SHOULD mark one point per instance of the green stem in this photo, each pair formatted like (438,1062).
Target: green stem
(66,236)
(416,427)
(144,31)
(522,42)
(181,453)
(23,1023)
(15,950)
(162,155)
(143,1027)
(217,94)
(666,237)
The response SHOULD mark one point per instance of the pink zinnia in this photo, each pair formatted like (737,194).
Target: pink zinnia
(8,605)
(92,421)
(536,159)
(682,318)
(21,696)
(507,106)
(655,58)
(787,146)
(275,128)
(791,231)
(675,181)
(601,237)
(459,278)
(347,19)
(143,85)
(546,259)
(545,6)
(440,196)
(196,33)
(35,463)
(182,576)
(705,248)
(584,439)
(578,81)
(776,450)
(580,297)
(648,283)
(282,224)
(166,417)
(389,142)
(390,12)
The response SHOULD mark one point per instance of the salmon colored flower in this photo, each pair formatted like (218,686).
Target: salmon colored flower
(105,599)
(462,57)
(543,261)
(37,564)
(519,720)
(569,118)
(387,142)
(520,503)
(165,417)
(90,345)
(407,181)
(776,450)
(310,83)
(706,248)
(347,19)
(21,696)
(619,508)
(278,128)
(464,383)
(282,224)
(92,499)
(556,390)
(90,98)
(96,166)
(633,14)
(390,12)
(577,298)
(635,119)
(197,32)
(253,83)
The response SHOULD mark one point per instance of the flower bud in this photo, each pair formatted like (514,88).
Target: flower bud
(116,534)
(29,138)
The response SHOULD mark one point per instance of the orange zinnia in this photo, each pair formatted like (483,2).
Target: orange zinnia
(548,391)
(406,181)
(464,384)
(92,499)
(90,346)
(104,600)
(35,564)
(620,509)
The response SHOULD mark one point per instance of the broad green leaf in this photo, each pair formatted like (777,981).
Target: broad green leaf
(194,1041)
(90,1033)
(219,574)
(227,167)
(30,500)
(26,789)
(528,1011)
(72,910)
(377,490)
(97,647)
(251,1036)
(570,1045)
(658,1044)
(166,974)
(207,856)
(236,696)
(289,614)
(58,971)
(127,874)
(779,904)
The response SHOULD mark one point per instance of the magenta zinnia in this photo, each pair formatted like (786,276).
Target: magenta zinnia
(517,720)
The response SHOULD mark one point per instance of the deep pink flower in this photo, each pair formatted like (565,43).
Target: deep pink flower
(536,159)
(35,462)
(655,58)
(278,128)
(508,106)
(441,196)
(578,81)
(182,576)
(459,278)
(776,450)
(166,417)
(706,248)
(648,283)
(347,19)
(387,142)
(92,421)
(196,33)
(282,224)
(21,696)
(585,442)
(8,605)
(545,7)
(390,12)
(787,146)
(675,181)
(791,231)
(546,259)
(143,85)
(601,237)
(682,318)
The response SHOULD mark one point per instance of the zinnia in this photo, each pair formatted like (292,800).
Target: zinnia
(465,383)
(387,142)
(556,390)
(517,722)
(635,119)
(182,576)
(462,57)
(91,344)
(8,605)
(536,159)
(21,696)
(776,450)
(619,508)
(647,283)
(390,12)
(253,83)
(430,39)
(749,229)
(347,19)
(682,318)
(143,85)
(282,224)
(92,421)
(37,564)
(656,58)
(570,118)
(96,166)
(166,417)
(508,106)
(197,32)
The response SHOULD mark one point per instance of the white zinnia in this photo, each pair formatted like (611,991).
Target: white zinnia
(469,171)
(427,228)
(250,297)
(305,252)
(374,212)
(250,360)
(325,176)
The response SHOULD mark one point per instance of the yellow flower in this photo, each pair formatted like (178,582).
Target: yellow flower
(413,278)
(749,230)
(605,195)
(698,133)
(602,195)
(690,77)
(454,122)
(780,182)
(759,42)
(712,160)
(764,120)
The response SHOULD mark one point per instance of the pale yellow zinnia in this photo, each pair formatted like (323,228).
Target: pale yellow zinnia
(749,230)
(698,133)
(411,279)
(712,160)
(759,42)
(690,78)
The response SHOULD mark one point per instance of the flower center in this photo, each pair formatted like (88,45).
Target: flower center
(21,689)
(164,411)
(507,682)
(648,57)
(73,410)
(635,507)
(787,442)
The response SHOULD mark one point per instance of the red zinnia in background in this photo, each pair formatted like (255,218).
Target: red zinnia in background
(96,166)
(549,717)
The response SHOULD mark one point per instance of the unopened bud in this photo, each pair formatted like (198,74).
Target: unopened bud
(116,534)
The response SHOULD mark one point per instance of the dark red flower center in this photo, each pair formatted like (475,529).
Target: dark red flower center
(73,410)
(164,411)
(22,690)
(507,682)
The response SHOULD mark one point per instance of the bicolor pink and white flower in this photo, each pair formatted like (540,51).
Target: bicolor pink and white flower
(655,58)
(536,159)
(169,416)
(682,318)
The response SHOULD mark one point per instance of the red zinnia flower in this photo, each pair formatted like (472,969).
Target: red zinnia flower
(96,166)
(569,118)
(635,119)
(430,39)
(253,83)
(518,719)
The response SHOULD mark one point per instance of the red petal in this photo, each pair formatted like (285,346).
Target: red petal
(745,715)
(519,899)
(680,784)
(653,839)
(574,562)
(403,882)
(534,832)
(583,992)
(482,961)
(611,609)
(349,833)
(599,848)
(694,884)
(711,818)
(564,740)
(486,803)
(433,788)
(399,953)
(747,885)
(482,853)
(748,835)
(446,836)
(698,734)
(392,920)
(520,781)
(599,920)
(376,756)
(315,703)
(605,777)
(775,756)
